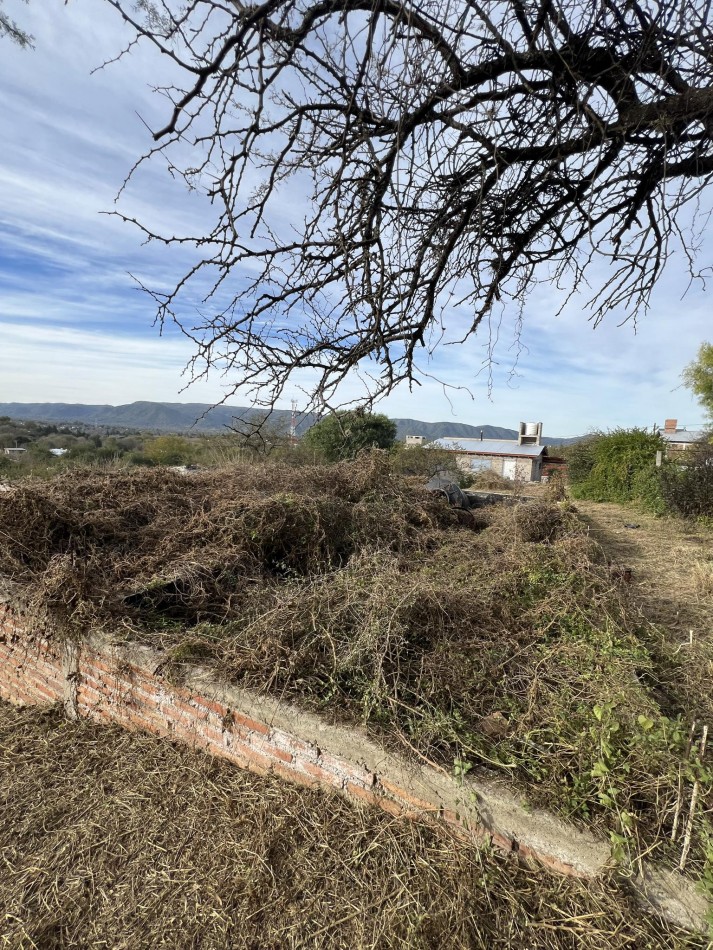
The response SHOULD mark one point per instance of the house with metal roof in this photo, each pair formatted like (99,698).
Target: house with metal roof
(678,439)
(519,458)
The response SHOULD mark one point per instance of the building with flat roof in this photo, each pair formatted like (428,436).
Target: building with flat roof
(518,459)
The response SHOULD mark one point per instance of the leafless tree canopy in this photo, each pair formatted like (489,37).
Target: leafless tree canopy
(444,156)
(9,28)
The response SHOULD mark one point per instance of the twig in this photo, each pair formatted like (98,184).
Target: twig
(694,801)
(679,793)
(689,827)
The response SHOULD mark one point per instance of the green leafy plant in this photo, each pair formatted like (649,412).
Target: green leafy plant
(342,435)
(617,466)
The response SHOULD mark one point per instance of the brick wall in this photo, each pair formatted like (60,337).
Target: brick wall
(30,667)
(123,684)
(111,688)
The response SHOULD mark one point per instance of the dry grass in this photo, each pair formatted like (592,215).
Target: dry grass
(137,546)
(117,840)
(350,591)
(672,591)
(702,577)
(489,480)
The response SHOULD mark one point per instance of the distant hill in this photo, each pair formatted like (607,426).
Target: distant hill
(202,417)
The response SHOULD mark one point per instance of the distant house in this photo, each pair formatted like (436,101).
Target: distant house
(520,458)
(413,440)
(678,439)
(15,452)
(59,452)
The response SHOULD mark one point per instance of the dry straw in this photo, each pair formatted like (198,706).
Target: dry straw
(354,592)
(112,839)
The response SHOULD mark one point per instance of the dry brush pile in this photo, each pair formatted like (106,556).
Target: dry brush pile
(497,639)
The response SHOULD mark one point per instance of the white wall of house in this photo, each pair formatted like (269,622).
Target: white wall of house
(520,469)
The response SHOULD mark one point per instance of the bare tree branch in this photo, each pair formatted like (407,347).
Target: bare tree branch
(440,150)
(13,31)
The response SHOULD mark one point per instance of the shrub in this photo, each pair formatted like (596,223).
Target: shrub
(538,523)
(344,434)
(619,466)
(555,489)
(687,486)
(420,460)
(581,457)
(169,450)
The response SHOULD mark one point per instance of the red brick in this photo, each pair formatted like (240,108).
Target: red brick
(365,794)
(97,713)
(359,773)
(321,775)
(266,748)
(210,732)
(218,708)
(298,747)
(90,662)
(87,699)
(140,697)
(252,725)
(293,775)
(87,677)
(45,692)
(192,710)
(395,808)
(177,692)
(407,797)
(186,729)
(138,676)
(248,759)
(501,842)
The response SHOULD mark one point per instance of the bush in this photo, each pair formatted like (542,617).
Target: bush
(619,466)
(581,457)
(555,489)
(420,460)
(343,435)
(138,458)
(169,450)
(538,523)
(687,486)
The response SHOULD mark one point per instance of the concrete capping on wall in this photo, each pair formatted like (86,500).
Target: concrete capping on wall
(110,681)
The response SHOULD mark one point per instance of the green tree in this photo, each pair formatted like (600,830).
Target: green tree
(698,377)
(687,486)
(168,450)
(581,456)
(421,460)
(344,434)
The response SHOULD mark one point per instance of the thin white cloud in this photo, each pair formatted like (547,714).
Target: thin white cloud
(73,327)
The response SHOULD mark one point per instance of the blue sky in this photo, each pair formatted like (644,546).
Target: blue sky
(74,328)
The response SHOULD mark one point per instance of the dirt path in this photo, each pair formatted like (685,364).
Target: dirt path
(672,583)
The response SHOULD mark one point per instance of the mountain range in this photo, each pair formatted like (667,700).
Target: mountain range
(202,417)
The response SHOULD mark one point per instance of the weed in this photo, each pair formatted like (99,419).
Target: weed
(509,648)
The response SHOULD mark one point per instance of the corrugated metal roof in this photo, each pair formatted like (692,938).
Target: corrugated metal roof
(490,447)
(682,435)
